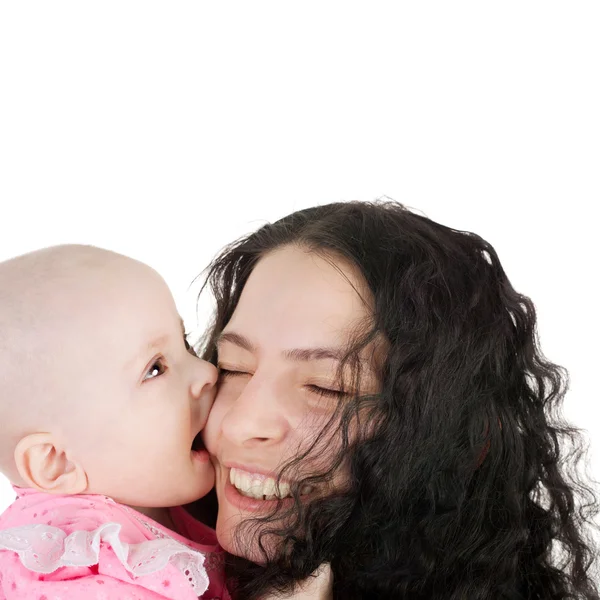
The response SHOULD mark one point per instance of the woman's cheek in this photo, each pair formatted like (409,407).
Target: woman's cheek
(210,435)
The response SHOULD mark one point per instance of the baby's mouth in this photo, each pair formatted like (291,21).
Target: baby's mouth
(198,443)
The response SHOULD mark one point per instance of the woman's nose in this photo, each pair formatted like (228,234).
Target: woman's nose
(256,418)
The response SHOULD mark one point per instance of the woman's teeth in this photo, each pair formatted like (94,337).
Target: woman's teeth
(260,487)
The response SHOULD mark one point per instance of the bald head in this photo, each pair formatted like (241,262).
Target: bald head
(49,300)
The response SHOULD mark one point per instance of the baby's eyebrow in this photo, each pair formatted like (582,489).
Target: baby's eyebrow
(163,339)
(157,342)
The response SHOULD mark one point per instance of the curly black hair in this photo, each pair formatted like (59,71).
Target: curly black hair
(464,483)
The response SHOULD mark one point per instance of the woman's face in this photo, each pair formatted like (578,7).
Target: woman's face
(278,357)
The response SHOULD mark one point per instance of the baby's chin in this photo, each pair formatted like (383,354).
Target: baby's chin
(169,494)
(159,487)
(182,498)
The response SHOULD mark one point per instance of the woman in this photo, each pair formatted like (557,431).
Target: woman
(384,408)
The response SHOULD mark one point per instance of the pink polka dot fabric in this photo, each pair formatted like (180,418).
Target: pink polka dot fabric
(56,547)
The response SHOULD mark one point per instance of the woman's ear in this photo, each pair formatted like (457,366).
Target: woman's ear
(43,465)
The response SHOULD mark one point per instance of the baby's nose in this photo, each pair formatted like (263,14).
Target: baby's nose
(205,378)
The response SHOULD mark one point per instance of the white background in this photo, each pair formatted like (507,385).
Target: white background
(165,130)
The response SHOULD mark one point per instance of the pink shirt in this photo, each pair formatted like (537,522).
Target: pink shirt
(88,546)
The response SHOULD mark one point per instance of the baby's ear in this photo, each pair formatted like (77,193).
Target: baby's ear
(43,465)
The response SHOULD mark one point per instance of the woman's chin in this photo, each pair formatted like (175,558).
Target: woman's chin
(237,545)
(236,533)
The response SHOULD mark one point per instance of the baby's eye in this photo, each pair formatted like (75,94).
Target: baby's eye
(157,368)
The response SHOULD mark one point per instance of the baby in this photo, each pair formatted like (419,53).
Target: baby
(101,407)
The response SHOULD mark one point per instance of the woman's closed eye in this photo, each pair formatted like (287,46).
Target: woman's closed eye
(315,389)
(225,373)
(157,368)
(327,392)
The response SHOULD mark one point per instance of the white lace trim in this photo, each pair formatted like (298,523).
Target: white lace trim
(44,549)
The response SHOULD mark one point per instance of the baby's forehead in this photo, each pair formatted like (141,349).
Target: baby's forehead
(50,271)
(36,286)
(62,295)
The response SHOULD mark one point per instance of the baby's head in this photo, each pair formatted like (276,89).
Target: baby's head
(99,392)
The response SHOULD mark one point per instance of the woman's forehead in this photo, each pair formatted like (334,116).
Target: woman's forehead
(292,292)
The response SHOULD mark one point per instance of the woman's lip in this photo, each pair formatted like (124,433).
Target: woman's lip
(251,504)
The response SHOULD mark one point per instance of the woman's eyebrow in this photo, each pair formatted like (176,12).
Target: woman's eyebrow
(306,354)
(298,354)
(237,340)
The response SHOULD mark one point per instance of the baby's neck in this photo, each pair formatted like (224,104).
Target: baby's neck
(160,515)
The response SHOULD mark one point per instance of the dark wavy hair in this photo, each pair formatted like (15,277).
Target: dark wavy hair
(463,478)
